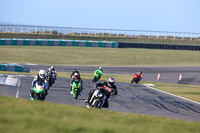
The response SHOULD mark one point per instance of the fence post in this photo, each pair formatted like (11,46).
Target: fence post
(174,35)
(0,27)
(103,33)
(95,32)
(14,29)
(157,34)
(141,34)
(110,33)
(66,31)
(21,29)
(51,31)
(81,31)
(35,29)
(7,28)
(183,36)
(28,29)
(125,33)
(88,32)
(133,34)
(73,30)
(43,29)
(58,31)
(191,36)
(166,35)
(149,34)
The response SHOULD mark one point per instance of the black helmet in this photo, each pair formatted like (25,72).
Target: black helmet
(74,70)
(110,81)
(140,72)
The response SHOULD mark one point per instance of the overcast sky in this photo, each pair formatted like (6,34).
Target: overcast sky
(154,15)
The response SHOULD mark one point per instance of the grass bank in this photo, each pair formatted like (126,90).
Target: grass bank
(19,115)
(191,92)
(97,56)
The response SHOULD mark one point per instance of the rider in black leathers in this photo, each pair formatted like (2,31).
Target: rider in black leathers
(75,71)
(109,84)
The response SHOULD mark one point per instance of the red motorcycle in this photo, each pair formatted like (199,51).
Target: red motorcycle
(136,78)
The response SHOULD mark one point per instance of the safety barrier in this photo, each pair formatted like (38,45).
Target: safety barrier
(14,68)
(107,44)
(158,46)
(56,42)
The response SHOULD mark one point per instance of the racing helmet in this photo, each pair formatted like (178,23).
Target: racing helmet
(100,68)
(52,68)
(49,69)
(42,74)
(140,72)
(75,70)
(76,75)
(111,81)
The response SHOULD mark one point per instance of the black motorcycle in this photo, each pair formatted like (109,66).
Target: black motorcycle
(98,98)
(49,80)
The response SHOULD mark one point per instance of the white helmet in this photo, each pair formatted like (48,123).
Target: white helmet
(42,74)
(100,68)
(111,81)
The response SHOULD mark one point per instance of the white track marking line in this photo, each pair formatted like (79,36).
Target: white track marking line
(11,80)
(17,93)
(172,94)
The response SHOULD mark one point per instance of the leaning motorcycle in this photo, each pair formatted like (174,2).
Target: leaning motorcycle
(76,89)
(98,98)
(96,77)
(136,79)
(49,80)
(39,91)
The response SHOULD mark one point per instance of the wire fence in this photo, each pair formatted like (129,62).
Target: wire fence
(119,33)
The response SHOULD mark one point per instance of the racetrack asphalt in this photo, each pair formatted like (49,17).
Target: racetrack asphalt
(132,98)
(190,74)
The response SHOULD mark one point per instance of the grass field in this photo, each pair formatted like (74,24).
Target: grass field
(97,56)
(23,116)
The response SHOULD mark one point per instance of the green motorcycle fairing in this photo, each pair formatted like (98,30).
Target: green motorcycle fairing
(76,86)
(98,73)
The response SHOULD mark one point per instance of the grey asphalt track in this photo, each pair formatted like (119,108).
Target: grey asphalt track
(131,98)
(190,74)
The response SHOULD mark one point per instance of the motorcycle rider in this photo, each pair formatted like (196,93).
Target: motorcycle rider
(98,71)
(76,77)
(75,71)
(38,77)
(137,76)
(49,71)
(110,84)
(53,72)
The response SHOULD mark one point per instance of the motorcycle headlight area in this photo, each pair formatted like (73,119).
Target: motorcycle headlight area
(100,95)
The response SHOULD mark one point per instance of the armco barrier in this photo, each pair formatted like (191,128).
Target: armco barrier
(56,42)
(158,46)
(14,68)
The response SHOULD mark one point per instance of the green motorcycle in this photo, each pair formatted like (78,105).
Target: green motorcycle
(97,75)
(39,91)
(76,89)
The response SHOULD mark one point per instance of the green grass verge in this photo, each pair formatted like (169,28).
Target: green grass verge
(97,56)
(144,40)
(24,116)
(191,92)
